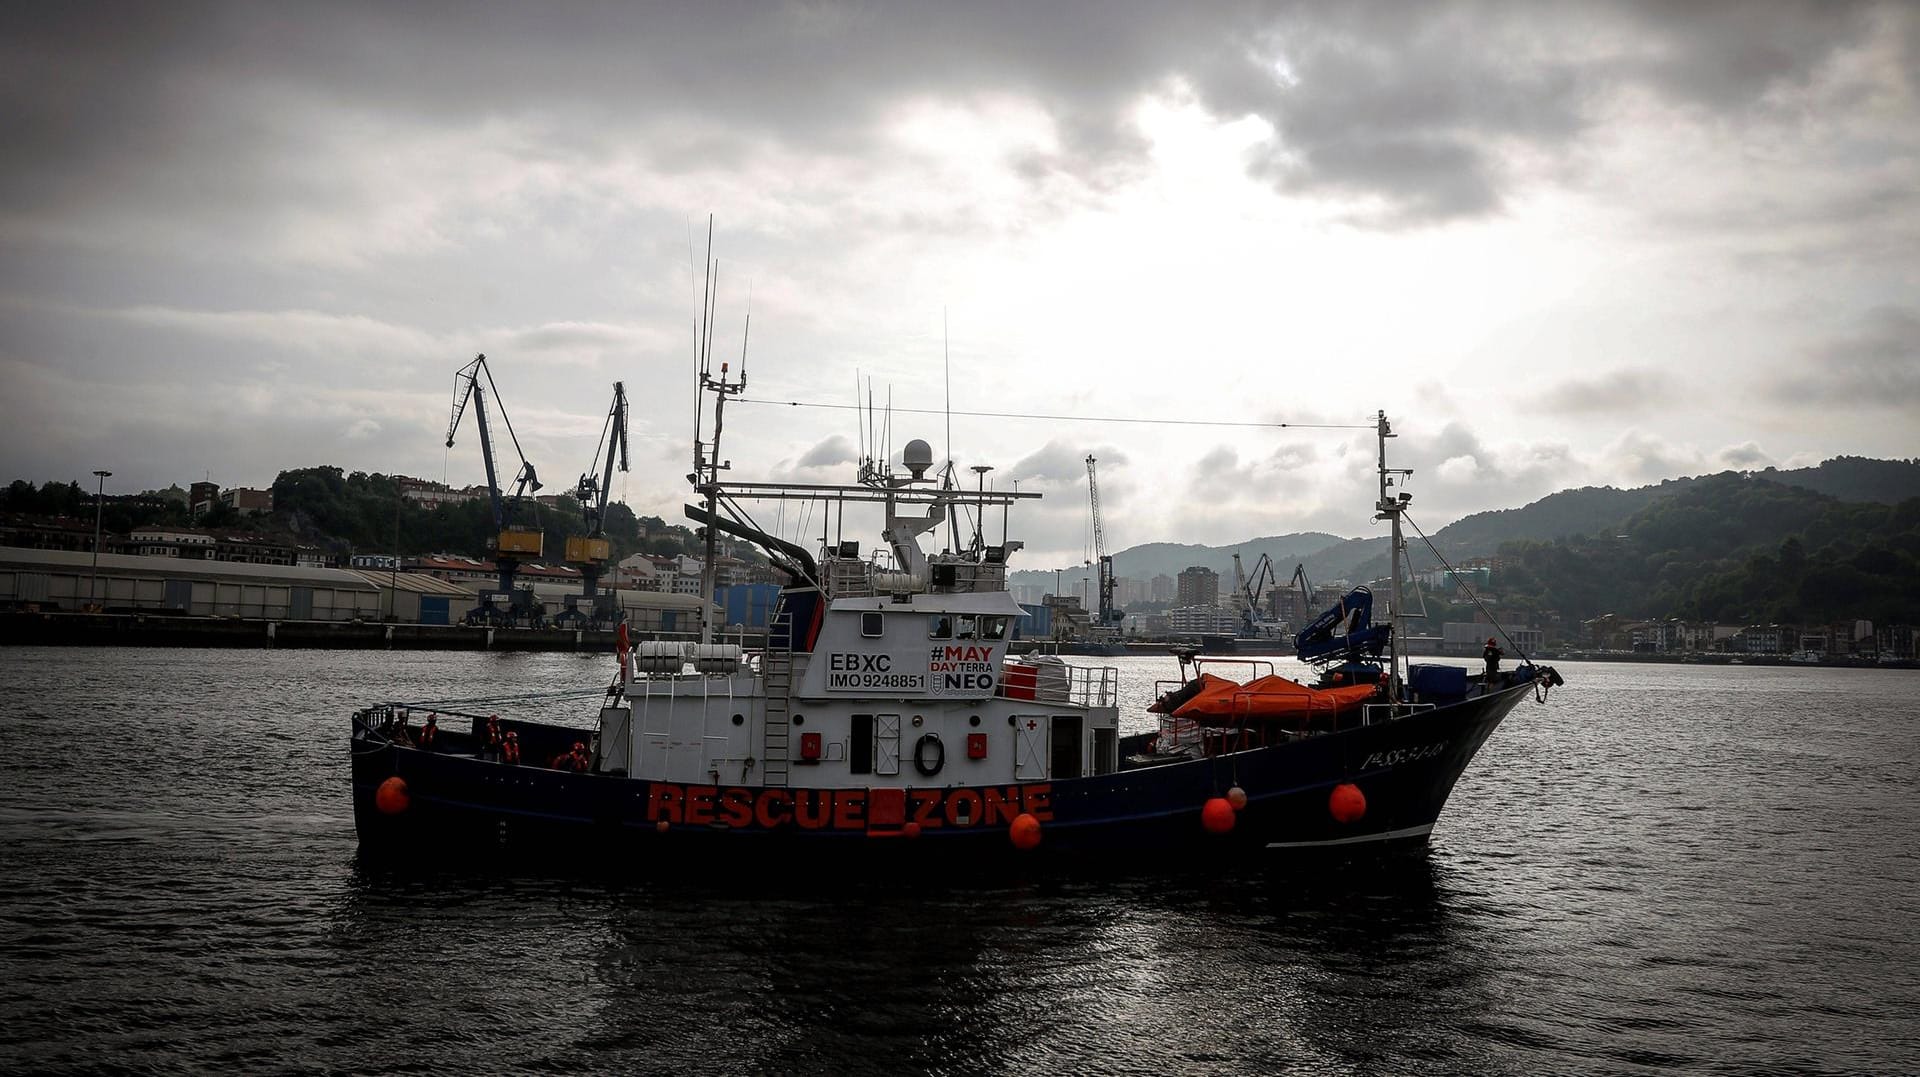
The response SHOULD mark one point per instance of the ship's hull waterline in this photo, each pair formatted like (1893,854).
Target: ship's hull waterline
(1405,769)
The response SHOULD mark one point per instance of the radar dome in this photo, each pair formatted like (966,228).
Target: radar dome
(918,456)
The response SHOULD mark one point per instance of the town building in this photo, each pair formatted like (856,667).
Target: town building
(203,545)
(1161,589)
(1202,620)
(245,499)
(202,497)
(32,532)
(1198,586)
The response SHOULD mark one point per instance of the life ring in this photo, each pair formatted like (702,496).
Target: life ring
(920,763)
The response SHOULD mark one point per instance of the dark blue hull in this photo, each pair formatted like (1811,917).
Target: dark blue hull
(1404,768)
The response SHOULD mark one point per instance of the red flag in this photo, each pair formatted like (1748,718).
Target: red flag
(620,646)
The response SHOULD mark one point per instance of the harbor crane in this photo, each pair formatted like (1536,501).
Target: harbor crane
(1106,619)
(1253,622)
(592,550)
(509,542)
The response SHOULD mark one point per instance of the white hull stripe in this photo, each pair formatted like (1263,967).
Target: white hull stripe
(1390,835)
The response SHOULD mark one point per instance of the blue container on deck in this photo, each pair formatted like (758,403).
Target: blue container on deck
(1437,684)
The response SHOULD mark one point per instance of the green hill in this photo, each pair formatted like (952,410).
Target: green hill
(1730,547)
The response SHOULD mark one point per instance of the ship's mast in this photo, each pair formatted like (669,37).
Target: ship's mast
(707,464)
(1390,508)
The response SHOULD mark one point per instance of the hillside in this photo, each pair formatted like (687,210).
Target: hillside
(1603,510)
(1730,547)
(1151,559)
(1709,546)
(1855,478)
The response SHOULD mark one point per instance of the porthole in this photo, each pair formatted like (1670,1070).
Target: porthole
(1011,721)
(739,719)
(918,721)
(975,720)
(799,719)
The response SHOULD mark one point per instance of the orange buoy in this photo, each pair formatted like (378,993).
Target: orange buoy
(1025,831)
(911,830)
(1237,797)
(1217,815)
(392,797)
(661,826)
(1347,803)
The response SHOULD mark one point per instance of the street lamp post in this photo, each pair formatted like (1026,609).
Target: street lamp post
(99,499)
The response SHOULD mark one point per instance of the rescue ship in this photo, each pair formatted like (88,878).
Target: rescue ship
(885,717)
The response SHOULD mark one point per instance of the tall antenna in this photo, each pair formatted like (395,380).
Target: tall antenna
(693,294)
(744,330)
(946,356)
(859,431)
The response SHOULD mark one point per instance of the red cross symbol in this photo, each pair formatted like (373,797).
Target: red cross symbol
(1031,724)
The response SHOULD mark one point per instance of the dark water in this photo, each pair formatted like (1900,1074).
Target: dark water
(1665,869)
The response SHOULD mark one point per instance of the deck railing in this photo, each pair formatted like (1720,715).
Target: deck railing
(1050,682)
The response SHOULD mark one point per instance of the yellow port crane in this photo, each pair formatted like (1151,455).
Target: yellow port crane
(510,542)
(592,551)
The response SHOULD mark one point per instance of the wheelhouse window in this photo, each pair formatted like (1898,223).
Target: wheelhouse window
(994,627)
(872,625)
(940,627)
(965,628)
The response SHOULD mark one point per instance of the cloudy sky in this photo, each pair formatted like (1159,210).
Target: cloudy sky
(1560,244)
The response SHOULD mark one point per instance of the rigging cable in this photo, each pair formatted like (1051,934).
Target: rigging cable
(1464,586)
(1070,418)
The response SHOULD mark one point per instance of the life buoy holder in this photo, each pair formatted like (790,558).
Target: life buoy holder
(920,762)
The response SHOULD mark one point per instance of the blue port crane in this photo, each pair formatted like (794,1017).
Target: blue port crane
(592,551)
(510,542)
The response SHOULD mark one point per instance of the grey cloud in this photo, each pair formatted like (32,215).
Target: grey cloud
(833,450)
(1646,457)
(1061,463)
(214,109)
(1743,457)
(1619,390)
(1876,366)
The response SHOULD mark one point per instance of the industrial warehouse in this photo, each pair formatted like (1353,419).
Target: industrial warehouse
(161,588)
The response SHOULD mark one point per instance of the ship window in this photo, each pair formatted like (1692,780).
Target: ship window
(942,628)
(993,628)
(872,624)
(965,629)
(860,749)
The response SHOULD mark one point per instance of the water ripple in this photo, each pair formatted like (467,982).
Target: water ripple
(1665,870)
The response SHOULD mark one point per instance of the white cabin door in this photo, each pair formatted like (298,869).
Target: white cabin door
(1030,733)
(886,744)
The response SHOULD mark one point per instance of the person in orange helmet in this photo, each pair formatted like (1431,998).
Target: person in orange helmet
(575,760)
(490,747)
(510,748)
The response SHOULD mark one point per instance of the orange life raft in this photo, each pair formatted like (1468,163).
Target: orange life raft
(1271,697)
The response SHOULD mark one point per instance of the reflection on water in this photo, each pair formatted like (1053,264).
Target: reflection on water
(1666,869)
(1331,966)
